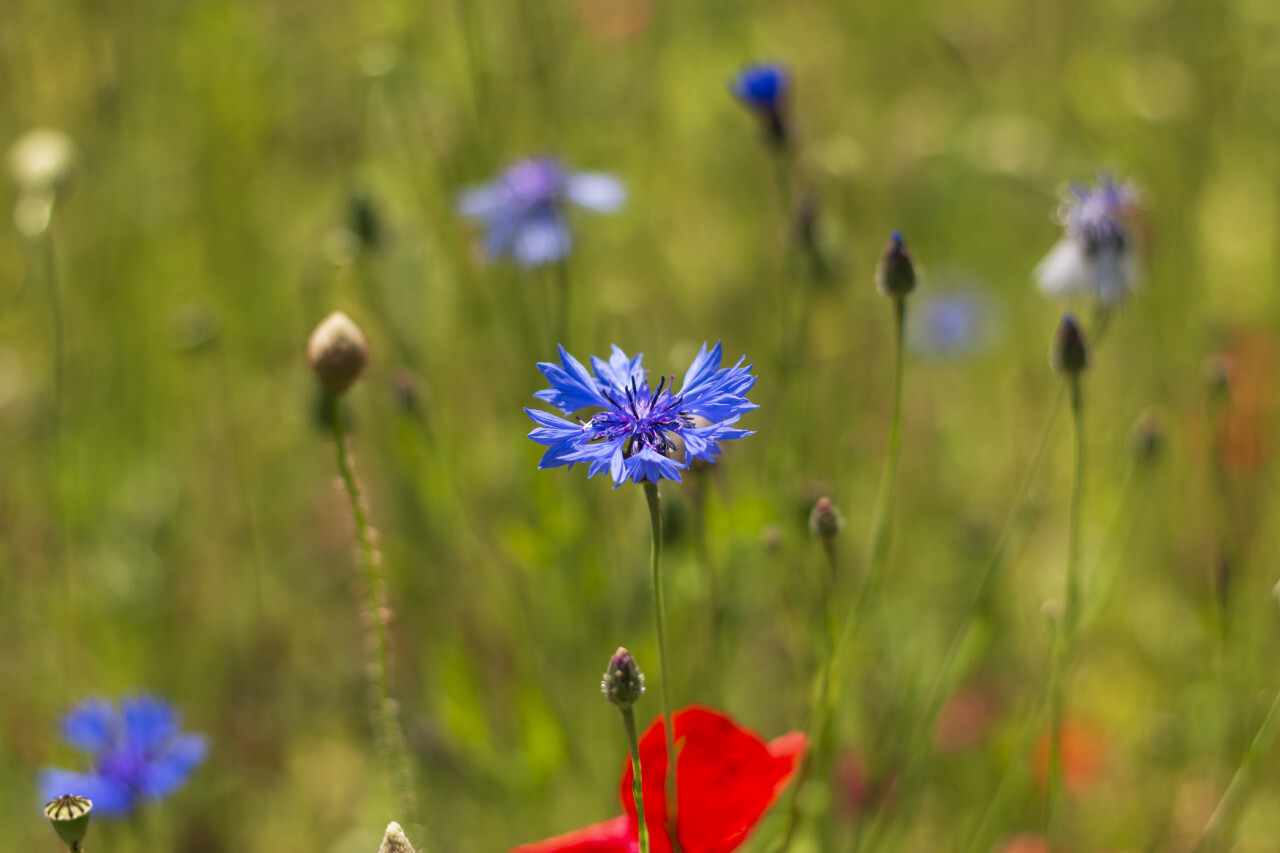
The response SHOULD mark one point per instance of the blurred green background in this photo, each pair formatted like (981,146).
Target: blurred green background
(169,520)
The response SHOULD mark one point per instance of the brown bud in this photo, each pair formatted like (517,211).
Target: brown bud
(337,352)
(825,521)
(896,274)
(1070,352)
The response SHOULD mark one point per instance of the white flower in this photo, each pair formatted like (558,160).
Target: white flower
(1095,257)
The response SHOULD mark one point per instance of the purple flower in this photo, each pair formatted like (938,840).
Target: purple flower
(138,754)
(642,433)
(1094,258)
(523,209)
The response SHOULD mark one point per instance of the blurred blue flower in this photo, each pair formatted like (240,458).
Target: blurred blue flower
(523,208)
(763,88)
(951,324)
(642,433)
(1095,256)
(138,754)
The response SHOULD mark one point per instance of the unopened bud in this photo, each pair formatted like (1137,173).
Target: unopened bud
(825,521)
(69,815)
(623,682)
(395,841)
(896,274)
(1148,436)
(1070,353)
(337,352)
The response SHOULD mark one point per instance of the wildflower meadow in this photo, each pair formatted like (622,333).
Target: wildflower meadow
(627,426)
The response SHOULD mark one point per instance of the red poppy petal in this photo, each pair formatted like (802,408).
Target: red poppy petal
(611,836)
(728,778)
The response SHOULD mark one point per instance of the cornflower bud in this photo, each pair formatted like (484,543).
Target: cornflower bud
(896,274)
(1070,352)
(69,815)
(338,353)
(825,521)
(1148,436)
(623,682)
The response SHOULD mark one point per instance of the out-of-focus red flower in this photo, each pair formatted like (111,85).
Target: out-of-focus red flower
(1026,843)
(1084,756)
(727,777)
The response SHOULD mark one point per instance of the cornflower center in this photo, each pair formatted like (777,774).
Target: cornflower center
(643,419)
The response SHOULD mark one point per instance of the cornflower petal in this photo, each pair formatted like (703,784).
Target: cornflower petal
(91,726)
(595,191)
(110,798)
(165,773)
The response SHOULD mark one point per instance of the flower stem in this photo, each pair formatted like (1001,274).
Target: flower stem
(917,749)
(1233,798)
(1065,634)
(878,547)
(637,787)
(821,708)
(659,618)
(877,551)
(384,711)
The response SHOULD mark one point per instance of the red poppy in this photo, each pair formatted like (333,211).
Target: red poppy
(727,777)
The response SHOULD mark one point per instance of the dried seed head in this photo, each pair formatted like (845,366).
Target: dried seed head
(623,682)
(337,352)
(69,815)
(825,521)
(395,841)
(1070,352)
(896,274)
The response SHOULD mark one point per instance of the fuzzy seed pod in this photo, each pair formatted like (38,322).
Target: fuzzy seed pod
(338,353)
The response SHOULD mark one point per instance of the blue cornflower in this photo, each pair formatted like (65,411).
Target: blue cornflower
(951,324)
(1095,256)
(763,88)
(138,751)
(523,208)
(643,433)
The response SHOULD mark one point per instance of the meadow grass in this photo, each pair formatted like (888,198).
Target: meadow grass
(170,519)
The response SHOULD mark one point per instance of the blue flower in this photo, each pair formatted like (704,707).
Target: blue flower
(951,324)
(523,209)
(1095,257)
(642,433)
(138,753)
(763,88)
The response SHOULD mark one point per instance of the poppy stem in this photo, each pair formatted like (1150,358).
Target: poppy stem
(1065,634)
(637,787)
(385,720)
(659,618)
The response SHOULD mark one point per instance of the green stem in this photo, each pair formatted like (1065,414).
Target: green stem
(878,548)
(659,618)
(822,712)
(917,751)
(637,787)
(384,713)
(1065,634)
(877,551)
(1233,798)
